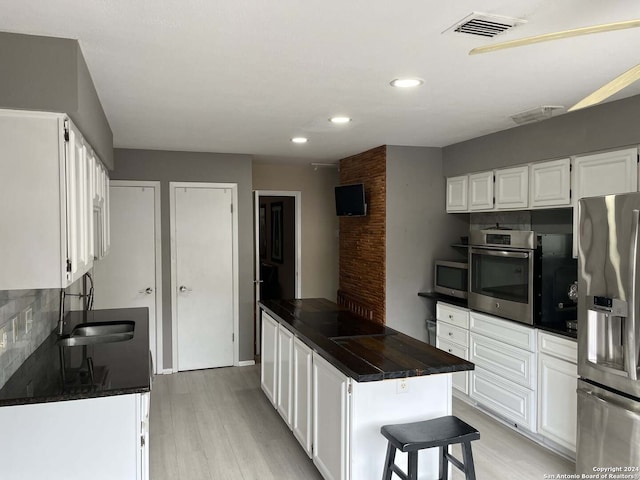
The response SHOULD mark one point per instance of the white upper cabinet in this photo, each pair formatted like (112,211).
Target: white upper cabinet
(46,190)
(512,188)
(605,173)
(481,191)
(550,184)
(457,194)
(100,218)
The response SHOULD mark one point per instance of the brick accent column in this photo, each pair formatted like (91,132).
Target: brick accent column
(363,239)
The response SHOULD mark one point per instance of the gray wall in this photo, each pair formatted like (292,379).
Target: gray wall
(606,126)
(419,231)
(50,74)
(166,166)
(319,221)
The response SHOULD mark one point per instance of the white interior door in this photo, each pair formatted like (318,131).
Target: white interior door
(203,279)
(129,276)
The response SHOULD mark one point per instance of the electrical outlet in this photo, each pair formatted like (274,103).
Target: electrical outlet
(27,317)
(402,386)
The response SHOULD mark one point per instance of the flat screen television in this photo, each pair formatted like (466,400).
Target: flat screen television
(350,200)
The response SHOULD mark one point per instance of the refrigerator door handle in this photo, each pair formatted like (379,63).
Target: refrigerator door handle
(633,340)
(606,401)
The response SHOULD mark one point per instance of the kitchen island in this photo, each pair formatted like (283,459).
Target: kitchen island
(80,412)
(336,378)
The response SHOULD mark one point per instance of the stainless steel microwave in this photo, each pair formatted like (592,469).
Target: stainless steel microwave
(451,278)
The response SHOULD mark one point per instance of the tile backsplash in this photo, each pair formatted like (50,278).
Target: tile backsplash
(27,318)
(517,220)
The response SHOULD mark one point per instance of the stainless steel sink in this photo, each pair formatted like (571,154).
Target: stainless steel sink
(98,332)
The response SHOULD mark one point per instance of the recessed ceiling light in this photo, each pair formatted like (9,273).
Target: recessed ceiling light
(406,82)
(299,140)
(339,119)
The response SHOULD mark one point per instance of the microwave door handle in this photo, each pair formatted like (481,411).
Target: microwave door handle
(632,330)
(500,253)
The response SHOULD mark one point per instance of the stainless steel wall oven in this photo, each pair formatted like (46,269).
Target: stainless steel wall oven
(521,275)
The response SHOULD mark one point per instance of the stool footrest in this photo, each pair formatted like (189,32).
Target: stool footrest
(454,461)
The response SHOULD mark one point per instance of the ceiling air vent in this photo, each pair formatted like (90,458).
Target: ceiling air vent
(536,114)
(484,25)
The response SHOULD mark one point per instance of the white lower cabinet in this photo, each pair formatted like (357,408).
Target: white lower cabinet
(302,394)
(330,420)
(509,362)
(557,384)
(336,419)
(269,349)
(513,402)
(99,438)
(286,378)
(453,336)
(505,378)
(285,374)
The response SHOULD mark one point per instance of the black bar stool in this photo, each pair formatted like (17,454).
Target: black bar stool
(439,432)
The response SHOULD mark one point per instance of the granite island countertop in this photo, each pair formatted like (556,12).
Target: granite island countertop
(119,368)
(362,350)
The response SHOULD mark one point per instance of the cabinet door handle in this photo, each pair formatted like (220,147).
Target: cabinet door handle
(449,350)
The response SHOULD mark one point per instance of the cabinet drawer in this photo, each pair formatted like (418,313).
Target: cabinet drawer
(503,330)
(453,334)
(460,380)
(454,315)
(509,362)
(452,348)
(560,347)
(514,402)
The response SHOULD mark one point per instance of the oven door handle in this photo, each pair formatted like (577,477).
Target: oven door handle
(500,253)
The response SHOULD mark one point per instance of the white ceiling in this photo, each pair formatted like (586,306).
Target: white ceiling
(244,76)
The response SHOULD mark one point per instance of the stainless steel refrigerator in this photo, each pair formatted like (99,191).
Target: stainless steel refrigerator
(609,334)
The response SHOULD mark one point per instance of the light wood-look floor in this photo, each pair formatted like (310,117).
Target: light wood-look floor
(218,425)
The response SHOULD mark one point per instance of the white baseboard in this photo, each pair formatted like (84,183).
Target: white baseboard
(246,363)
(166,371)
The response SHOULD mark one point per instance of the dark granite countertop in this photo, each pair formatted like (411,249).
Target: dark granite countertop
(558,328)
(439,297)
(362,350)
(119,368)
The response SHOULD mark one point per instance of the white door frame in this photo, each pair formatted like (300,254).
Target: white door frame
(156,327)
(297,195)
(174,280)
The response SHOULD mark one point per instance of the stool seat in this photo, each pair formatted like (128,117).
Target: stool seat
(438,432)
(409,437)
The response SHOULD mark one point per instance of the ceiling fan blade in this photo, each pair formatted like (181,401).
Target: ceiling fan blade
(606,27)
(614,86)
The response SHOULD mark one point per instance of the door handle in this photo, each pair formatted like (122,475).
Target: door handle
(258,281)
(184,289)
(147,290)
